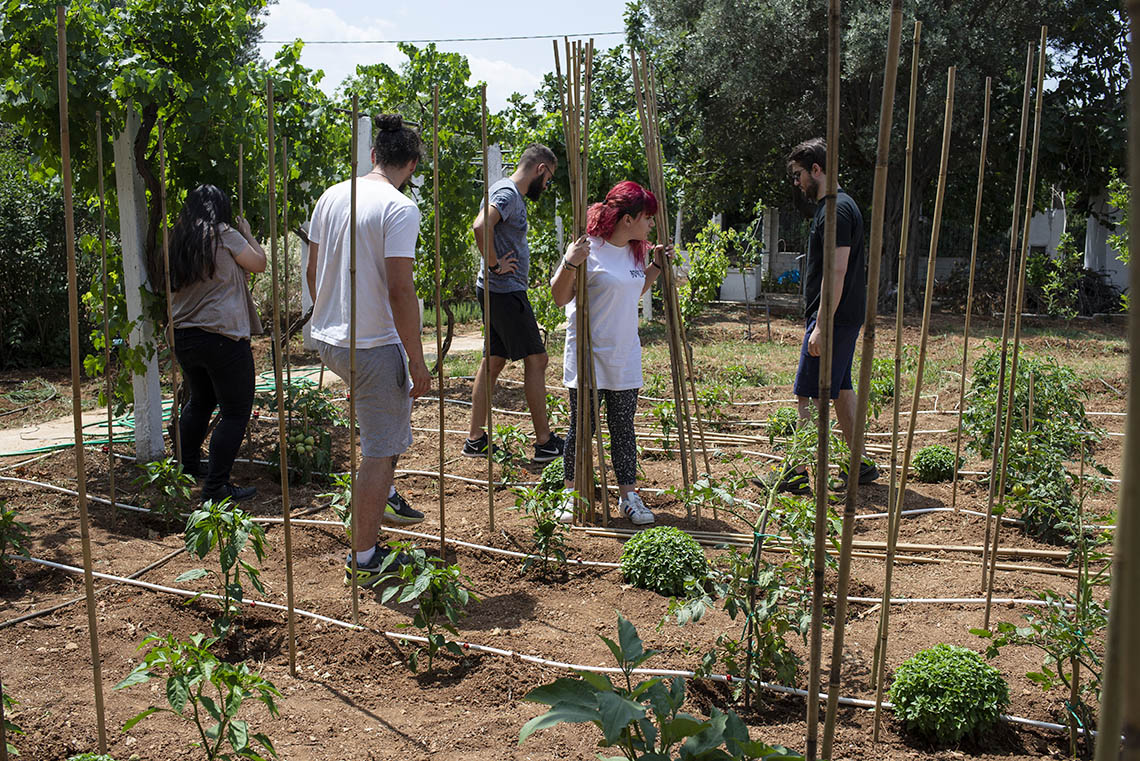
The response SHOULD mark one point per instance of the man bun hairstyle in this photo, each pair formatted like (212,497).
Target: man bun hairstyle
(537,153)
(395,143)
(627,197)
(813,151)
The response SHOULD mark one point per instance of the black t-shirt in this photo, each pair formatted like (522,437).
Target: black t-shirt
(848,232)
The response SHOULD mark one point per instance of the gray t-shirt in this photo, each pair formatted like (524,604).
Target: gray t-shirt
(510,238)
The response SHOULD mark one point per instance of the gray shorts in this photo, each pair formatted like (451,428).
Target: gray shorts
(383,403)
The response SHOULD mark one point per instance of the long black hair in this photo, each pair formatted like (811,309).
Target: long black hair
(195,236)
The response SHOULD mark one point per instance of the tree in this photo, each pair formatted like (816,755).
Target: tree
(743,81)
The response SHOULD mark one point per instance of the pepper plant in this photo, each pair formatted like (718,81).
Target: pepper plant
(11,728)
(222,526)
(440,592)
(508,451)
(168,488)
(206,692)
(549,537)
(644,721)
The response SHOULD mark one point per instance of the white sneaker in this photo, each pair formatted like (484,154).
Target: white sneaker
(564,513)
(633,508)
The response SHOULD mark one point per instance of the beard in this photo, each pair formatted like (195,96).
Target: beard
(534,190)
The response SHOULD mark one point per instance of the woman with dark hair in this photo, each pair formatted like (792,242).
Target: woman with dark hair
(211,254)
(615,253)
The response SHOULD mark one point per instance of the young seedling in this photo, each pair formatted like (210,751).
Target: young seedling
(13,536)
(440,593)
(508,453)
(207,693)
(168,486)
(228,529)
(11,728)
(549,539)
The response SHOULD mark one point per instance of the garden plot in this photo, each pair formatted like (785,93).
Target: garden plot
(354,696)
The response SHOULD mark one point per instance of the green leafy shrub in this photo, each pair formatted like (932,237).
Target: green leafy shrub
(708,266)
(644,721)
(782,422)
(13,535)
(934,464)
(660,559)
(440,593)
(167,488)
(225,527)
(553,476)
(191,671)
(946,693)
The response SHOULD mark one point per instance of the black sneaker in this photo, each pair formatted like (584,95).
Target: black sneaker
(868,473)
(399,513)
(796,482)
(551,450)
(369,574)
(235,493)
(476,447)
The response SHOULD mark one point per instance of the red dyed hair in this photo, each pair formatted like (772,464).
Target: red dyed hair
(627,197)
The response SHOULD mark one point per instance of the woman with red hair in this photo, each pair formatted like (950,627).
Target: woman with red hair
(614,252)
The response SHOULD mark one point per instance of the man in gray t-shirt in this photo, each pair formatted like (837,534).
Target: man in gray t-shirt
(513,328)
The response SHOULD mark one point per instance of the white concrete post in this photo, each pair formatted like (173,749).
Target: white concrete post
(771,237)
(131,191)
(495,163)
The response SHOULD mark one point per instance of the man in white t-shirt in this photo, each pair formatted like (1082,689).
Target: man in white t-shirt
(387,326)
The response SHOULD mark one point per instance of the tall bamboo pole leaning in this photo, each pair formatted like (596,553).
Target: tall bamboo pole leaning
(874,257)
(76,402)
(1009,291)
(283,413)
(1029,197)
(584,187)
(1120,696)
(106,315)
(892,538)
(970,293)
(487,244)
(900,307)
(438,309)
(825,322)
(174,410)
(352,361)
(668,286)
(685,366)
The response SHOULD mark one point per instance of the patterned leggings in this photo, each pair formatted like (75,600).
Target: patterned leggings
(621,406)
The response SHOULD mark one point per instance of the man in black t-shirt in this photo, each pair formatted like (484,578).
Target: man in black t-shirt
(806,165)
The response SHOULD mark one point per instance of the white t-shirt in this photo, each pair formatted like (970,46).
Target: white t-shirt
(387,225)
(613,287)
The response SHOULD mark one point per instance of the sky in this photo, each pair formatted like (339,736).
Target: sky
(507,66)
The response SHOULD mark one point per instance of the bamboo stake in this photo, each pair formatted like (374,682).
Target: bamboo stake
(892,539)
(1029,195)
(668,287)
(106,320)
(438,311)
(241,180)
(825,322)
(487,242)
(886,118)
(285,272)
(1009,290)
(893,511)
(174,408)
(352,363)
(76,402)
(1120,696)
(282,433)
(970,295)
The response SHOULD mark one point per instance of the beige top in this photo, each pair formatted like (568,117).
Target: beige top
(223,303)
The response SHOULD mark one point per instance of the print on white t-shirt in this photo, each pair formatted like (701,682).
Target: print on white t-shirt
(387,225)
(614,282)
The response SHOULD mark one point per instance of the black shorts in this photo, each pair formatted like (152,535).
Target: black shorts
(514,329)
(844,338)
